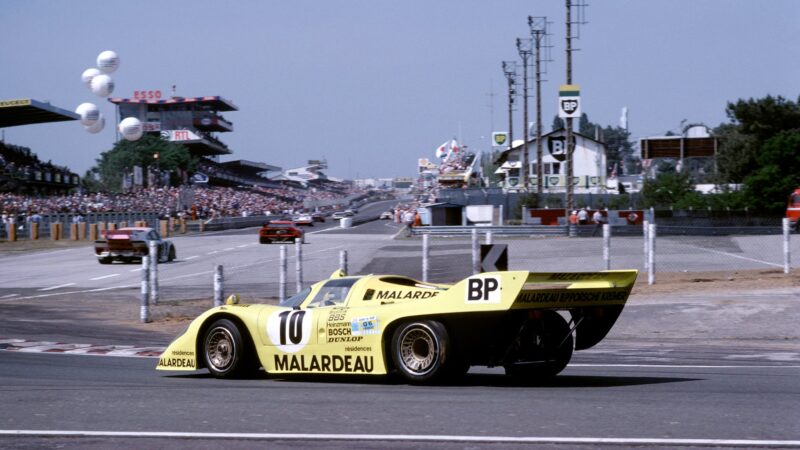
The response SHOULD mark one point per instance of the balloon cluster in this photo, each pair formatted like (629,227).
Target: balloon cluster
(98,81)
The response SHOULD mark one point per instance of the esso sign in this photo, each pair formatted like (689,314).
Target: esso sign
(147,95)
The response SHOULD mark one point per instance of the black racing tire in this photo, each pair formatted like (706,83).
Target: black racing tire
(555,342)
(262,240)
(105,260)
(171,255)
(224,350)
(419,351)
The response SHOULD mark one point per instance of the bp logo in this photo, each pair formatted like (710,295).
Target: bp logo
(557,147)
(289,330)
(500,138)
(569,106)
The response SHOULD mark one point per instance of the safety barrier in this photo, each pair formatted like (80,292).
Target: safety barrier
(511,230)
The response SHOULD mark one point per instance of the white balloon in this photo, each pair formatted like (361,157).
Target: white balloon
(107,61)
(130,128)
(87,76)
(89,113)
(102,85)
(97,126)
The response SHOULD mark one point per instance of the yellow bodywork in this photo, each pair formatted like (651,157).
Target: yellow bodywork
(349,335)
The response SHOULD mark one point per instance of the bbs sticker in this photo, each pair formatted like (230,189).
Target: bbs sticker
(289,330)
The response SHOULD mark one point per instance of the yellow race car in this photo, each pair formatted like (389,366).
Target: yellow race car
(529,323)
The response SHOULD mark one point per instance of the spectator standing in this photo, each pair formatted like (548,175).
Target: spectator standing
(583,217)
(599,220)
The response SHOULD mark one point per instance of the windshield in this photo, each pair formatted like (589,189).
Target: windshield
(334,292)
(296,299)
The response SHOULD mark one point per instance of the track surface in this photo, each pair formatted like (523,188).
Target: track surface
(720,368)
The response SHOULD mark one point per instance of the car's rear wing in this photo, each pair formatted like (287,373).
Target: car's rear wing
(567,290)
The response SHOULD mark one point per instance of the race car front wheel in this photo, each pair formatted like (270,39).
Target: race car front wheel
(419,350)
(224,349)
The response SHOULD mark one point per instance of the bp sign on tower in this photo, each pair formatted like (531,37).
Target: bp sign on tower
(569,101)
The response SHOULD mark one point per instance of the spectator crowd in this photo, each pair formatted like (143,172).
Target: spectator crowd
(197,202)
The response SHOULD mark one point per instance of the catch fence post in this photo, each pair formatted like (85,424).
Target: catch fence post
(282,274)
(219,285)
(426,254)
(343,261)
(476,253)
(651,257)
(645,231)
(144,310)
(607,246)
(787,255)
(298,266)
(489,236)
(153,248)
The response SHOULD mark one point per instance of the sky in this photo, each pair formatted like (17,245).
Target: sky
(373,85)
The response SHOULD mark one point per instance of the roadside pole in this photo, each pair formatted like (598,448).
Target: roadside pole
(282,274)
(144,311)
(476,253)
(219,287)
(298,265)
(651,257)
(426,254)
(787,253)
(153,247)
(489,238)
(607,246)
(343,261)
(645,230)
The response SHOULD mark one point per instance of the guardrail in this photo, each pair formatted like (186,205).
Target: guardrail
(510,230)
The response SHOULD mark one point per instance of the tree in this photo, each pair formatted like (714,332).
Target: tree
(671,189)
(558,124)
(145,152)
(778,172)
(766,117)
(736,155)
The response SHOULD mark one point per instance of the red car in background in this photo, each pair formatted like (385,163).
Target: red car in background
(279,231)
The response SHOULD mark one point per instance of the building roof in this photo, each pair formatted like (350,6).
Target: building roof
(26,111)
(504,155)
(243,165)
(214,102)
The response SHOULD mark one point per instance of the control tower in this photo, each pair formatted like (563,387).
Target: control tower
(190,121)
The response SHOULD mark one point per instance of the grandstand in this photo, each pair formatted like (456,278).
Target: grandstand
(20,169)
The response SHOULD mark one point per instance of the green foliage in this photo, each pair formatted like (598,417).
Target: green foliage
(670,189)
(529,200)
(113,164)
(778,172)
(558,124)
(766,117)
(736,155)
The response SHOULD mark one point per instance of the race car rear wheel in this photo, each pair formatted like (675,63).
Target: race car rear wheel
(545,348)
(419,351)
(224,349)
(105,260)
(171,254)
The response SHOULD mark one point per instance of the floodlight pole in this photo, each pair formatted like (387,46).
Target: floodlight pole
(570,147)
(524,49)
(538,26)
(510,71)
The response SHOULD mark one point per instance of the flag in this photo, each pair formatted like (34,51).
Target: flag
(441,152)
(454,146)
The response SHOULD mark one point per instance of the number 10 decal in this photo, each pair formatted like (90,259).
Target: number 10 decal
(289,330)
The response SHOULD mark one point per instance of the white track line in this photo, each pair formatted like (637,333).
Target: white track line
(106,276)
(190,257)
(683,366)
(10,295)
(56,287)
(748,443)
